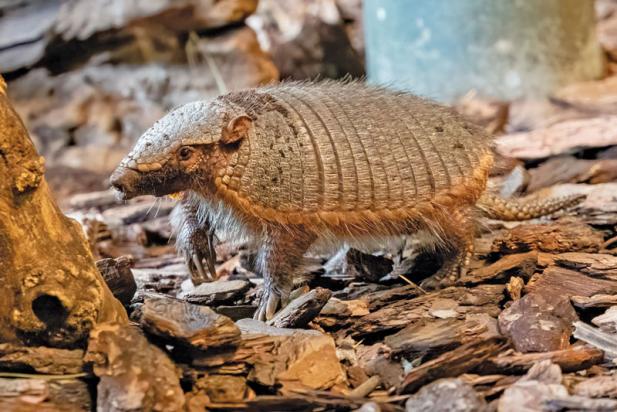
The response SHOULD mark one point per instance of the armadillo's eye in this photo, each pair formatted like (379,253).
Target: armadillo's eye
(185,153)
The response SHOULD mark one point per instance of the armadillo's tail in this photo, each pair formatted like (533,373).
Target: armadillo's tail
(499,208)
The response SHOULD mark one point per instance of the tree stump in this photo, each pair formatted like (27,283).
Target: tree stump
(53,293)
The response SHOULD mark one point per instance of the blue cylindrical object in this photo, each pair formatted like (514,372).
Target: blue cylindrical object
(503,49)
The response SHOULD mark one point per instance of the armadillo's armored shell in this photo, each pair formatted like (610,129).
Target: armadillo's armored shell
(332,147)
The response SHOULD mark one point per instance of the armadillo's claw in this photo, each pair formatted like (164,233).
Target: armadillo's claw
(195,264)
(268,305)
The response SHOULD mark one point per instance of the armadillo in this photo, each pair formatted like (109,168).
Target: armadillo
(296,164)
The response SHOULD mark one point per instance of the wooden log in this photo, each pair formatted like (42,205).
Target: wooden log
(53,292)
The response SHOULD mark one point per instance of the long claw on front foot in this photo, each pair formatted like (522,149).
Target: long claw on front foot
(270,301)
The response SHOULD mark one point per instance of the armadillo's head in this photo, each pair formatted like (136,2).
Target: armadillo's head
(182,151)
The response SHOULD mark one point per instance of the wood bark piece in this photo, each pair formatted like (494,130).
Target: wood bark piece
(223,388)
(581,403)
(449,302)
(438,335)
(367,267)
(119,278)
(299,312)
(565,237)
(571,169)
(538,322)
(566,282)
(291,358)
(519,264)
(377,359)
(217,292)
(42,395)
(594,301)
(41,359)
(564,137)
(607,321)
(597,387)
(53,292)
(135,375)
(598,97)
(453,363)
(606,342)
(572,359)
(187,324)
(529,394)
(599,265)
(446,395)
(94,22)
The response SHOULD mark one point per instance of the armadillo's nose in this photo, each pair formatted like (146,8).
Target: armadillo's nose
(124,180)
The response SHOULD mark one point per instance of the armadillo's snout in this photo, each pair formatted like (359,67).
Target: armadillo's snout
(125,180)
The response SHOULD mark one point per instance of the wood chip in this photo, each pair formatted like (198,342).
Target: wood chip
(538,322)
(565,237)
(218,292)
(462,301)
(453,363)
(437,335)
(572,359)
(560,138)
(118,276)
(299,312)
(135,375)
(446,395)
(41,359)
(187,324)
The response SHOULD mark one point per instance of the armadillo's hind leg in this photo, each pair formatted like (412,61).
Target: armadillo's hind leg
(194,240)
(457,249)
(278,258)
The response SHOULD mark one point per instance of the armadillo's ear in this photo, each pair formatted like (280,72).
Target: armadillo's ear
(236,130)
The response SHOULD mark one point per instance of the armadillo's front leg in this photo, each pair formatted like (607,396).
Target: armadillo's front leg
(194,240)
(278,258)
